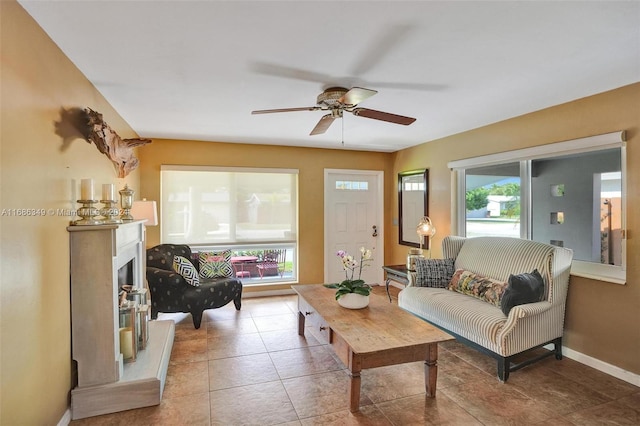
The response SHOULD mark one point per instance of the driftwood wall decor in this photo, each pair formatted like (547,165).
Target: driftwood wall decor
(92,128)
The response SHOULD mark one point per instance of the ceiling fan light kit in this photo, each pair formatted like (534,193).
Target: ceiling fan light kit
(336,100)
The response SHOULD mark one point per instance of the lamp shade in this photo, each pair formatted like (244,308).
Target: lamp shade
(144,209)
(425,227)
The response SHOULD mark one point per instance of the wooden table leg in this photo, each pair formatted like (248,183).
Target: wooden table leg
(431,370)
(300,323)
(354,391)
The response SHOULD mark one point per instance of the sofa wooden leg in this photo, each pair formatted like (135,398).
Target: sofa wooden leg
(238,302)
(557,346)
(197,319)
(503,369)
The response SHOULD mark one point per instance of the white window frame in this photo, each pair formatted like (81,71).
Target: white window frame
(597,271)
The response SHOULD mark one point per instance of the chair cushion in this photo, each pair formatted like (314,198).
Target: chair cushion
(434,272)
(521,289)
(478,286)
(215,264)
(184,267)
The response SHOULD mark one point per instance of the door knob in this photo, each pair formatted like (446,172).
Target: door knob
(375,231)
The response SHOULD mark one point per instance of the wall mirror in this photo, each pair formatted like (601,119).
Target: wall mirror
(413,203)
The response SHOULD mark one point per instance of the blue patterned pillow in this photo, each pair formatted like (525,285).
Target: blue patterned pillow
(215,264)
(185,268)
(434,272)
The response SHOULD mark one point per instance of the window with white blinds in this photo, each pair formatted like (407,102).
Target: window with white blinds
(228,206)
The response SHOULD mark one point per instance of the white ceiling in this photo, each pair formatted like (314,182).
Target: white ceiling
(196,69)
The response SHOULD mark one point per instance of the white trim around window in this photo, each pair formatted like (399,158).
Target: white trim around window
(603,272)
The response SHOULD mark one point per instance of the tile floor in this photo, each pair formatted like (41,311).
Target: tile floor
(251,368)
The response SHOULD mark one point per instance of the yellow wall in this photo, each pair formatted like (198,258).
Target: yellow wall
(37,80)
(310,162)
(602,318)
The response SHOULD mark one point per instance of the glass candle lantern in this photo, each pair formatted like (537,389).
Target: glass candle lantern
(126,201)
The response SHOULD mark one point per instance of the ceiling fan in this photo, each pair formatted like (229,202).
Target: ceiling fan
(336,100)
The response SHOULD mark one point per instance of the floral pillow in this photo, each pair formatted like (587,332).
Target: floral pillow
(184,267)
(483,288)
(215,264)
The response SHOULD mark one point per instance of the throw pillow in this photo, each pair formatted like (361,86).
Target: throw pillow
(521,289)
(483,288)
(433,272)
(215,264)
(184,267)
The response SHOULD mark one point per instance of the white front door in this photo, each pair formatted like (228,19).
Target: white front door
(353,219)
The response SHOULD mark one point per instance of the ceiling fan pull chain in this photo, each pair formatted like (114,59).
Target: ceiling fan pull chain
(342,119)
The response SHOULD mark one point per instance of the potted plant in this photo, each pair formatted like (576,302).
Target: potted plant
(353,293)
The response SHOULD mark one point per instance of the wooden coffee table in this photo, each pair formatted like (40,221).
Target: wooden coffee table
(378,335)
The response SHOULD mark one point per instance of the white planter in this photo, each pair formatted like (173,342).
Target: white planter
(353,301)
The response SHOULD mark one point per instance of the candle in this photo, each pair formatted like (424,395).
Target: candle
(108,192)
(86,189)
(126,342)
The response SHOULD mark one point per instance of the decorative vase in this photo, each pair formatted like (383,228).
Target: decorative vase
(353,301)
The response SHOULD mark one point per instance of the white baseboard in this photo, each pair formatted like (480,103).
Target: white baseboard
(610,369)
(606,368)
(250,294)
(66,418)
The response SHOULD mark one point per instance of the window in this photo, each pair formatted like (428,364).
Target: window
(568,194)
(247,210)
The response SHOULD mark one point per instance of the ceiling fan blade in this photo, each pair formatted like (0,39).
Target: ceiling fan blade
(323,125)
(384,116)
(356,95)
(269,111)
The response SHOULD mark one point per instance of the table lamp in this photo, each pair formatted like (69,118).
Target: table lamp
(145,210)
(426,229)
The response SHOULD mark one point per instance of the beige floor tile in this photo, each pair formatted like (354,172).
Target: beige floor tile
(186,379)
(189,351)
(233,327)
(553,392)
(611,413)
(266,306)
(186,331)
(393,382)
(240,371)
(321,393)
(369,415)
(608,385)
(280,340)
(288,321)
(303,361)
(229,345)
(420,410)
(227,312)
(260,404)
(494,403)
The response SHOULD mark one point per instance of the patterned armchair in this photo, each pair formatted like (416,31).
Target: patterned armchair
(170,292)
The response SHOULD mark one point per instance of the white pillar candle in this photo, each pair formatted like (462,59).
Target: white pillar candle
(86,189)
(108,192)
(126,342)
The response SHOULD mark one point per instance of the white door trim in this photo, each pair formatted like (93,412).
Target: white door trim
(379,175)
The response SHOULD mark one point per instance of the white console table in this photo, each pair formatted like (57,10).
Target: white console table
(105,383)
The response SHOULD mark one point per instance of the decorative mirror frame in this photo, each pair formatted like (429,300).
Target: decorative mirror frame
(416,176)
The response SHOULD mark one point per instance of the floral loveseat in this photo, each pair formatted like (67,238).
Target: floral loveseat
(483,266)
(186,291)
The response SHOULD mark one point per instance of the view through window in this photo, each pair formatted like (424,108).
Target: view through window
(253,212)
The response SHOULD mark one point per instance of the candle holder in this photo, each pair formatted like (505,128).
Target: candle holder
(110,212)
(126,201)
(88,213)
